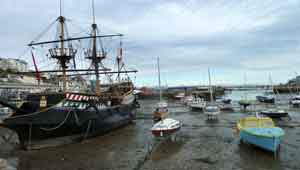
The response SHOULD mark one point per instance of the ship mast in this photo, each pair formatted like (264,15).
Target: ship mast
(62,54)
(119,58)
(93,54)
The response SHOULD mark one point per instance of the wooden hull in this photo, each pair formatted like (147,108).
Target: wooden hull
(267,143)
(81,119)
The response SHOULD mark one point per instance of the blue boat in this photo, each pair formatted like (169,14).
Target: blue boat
(266,138)
(261,132)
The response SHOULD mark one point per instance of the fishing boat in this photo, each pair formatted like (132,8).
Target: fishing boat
(161,111)
(74,114)
(212,110)
(165,127)
(261,132)
(275,113)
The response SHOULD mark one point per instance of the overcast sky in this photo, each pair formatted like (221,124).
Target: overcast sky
(231,37)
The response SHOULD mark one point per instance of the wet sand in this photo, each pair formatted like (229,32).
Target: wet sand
(199,145)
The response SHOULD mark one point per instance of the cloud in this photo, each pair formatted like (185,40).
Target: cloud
(231,37)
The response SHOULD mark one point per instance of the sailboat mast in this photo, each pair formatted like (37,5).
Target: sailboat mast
(210,87)
(245,84)
(159,81)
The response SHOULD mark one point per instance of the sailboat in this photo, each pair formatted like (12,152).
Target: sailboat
(245,102)
(274,112)
(161,110)
(212,110)
(69,114)
(268,98)
(295,100)
(164,126)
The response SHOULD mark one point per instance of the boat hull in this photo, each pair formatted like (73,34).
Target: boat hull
(267,143)
(60,122)
(264,99)
(274,114)
(165,132)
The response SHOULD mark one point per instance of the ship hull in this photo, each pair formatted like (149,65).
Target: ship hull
(60,122)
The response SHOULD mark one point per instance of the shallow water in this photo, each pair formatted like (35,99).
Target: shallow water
(198,145)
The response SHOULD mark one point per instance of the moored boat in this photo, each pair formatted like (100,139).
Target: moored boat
(295,101)
(265,99)
(275,113)
(212,109)
(261,132)
(245,103)
(165,127)
(197,103)
(161,110)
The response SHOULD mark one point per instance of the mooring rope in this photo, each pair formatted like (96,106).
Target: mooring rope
(59,125)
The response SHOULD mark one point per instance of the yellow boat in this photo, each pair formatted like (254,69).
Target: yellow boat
(260,131)
(255,122)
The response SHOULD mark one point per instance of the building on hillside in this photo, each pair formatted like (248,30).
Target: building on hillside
(294,81)
(13,64)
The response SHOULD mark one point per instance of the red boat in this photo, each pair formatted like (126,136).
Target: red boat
(165,127)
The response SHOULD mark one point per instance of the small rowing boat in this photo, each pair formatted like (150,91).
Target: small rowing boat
(261,132)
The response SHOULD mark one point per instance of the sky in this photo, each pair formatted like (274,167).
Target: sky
(233,38)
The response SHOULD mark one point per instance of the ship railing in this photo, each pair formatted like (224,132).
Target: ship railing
(65,52)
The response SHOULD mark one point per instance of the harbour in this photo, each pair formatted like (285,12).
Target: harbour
(142,86)
(198,145)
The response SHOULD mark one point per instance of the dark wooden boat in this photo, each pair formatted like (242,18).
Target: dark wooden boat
(68,113)
(265,99)
(275,113)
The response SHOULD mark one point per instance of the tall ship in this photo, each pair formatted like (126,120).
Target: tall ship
(75,113)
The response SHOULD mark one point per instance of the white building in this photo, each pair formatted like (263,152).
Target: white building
(13,64)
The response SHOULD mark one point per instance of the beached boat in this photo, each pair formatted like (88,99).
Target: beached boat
(295,101)
(275,113)
(75,114)
(261,132)
(197,103)
(187,100)
(245,103)
(179,96)
(225,104)
(226,101)
(212,110)
(165,127)
(161,110)
(265,99)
